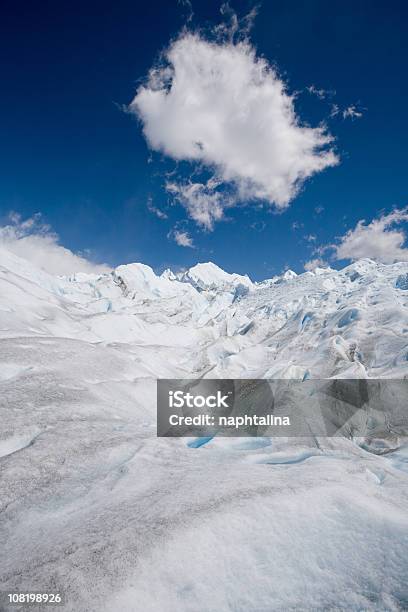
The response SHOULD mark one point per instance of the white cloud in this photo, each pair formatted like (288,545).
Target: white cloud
(219,105)
(187,5)
(322,94)
(351,112)
(156,211)
(181,238)
(378,240)
(233,26)
(35,241)
(335,110)
(315,263)
(202,202)
(259,226)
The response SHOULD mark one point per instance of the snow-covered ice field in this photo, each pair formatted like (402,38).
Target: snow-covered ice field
(95,506)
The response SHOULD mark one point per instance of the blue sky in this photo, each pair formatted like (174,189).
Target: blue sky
(71,152)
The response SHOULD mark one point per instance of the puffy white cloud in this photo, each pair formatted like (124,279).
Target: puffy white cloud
(33,240)
(202,202)
(221,106)
(182,238)
(379,240)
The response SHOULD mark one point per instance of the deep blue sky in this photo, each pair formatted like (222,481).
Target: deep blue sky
(70,152)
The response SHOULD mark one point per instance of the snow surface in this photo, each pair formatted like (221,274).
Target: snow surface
(94,505)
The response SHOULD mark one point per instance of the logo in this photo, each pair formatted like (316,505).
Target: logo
(179,399)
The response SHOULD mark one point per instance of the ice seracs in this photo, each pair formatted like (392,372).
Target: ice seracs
(168,274)
(208,276)
(232,326)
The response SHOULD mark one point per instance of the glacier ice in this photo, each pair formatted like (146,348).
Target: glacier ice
(402,281)
(93,504)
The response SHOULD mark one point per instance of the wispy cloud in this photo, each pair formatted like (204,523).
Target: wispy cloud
(234,27)
(34,240)
(310,238)
(156,211)
(350,112)
(203,204)
(322,94)
(318,262)
(189,8)
(182,238)
(258,226)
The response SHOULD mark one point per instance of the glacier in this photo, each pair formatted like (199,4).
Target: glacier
(95,506)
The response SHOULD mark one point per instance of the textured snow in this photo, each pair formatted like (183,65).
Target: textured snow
(94,505)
